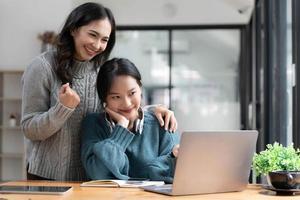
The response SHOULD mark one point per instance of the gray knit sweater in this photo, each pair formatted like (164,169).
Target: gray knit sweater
(52,130)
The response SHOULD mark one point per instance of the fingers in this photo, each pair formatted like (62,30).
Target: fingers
(68,97)
(173,122)
(160,118)
(66,90)
(63,88)
(114,115)
(166,118)
(170,121)
(109,111)
(175,150)
(121,120)
(167,121)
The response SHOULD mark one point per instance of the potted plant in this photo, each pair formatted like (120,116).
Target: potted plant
(276,158)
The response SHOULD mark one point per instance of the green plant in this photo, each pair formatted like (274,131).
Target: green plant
(276,157)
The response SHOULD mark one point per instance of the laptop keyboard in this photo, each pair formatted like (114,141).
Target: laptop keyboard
(163,188)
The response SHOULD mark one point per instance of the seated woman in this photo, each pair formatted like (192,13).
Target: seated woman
(125,141)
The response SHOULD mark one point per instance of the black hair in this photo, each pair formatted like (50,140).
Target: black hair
(111,69)
(81,16)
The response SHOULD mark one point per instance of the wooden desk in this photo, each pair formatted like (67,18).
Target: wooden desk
(253,192)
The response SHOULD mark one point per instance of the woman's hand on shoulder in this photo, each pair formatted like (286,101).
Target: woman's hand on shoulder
(166,118)
(120,119)
(68,97)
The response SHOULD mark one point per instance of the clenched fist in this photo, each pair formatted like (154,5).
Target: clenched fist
(68,97)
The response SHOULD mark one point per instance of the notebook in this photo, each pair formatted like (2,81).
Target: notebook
(121,183)
(211,162)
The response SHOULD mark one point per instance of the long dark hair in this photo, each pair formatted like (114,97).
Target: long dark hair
(81,16)
(112,68)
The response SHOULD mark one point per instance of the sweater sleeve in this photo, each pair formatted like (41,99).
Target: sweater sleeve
(103,153)
(151,108)
(39,120)
(162,168)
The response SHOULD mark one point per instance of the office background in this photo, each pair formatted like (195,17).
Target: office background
(219,64)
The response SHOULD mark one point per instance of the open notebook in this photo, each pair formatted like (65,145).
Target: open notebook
(121,183)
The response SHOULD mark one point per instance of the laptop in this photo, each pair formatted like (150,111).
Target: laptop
(211,162)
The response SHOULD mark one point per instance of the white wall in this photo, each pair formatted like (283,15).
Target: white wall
(21,22)
(178,12)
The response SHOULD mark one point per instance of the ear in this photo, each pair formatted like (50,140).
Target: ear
(73,32)
(104,104)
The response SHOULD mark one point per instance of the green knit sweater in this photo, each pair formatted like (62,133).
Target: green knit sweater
(121,154)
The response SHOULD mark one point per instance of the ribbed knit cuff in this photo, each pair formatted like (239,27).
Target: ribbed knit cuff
(122,136)
(62,111)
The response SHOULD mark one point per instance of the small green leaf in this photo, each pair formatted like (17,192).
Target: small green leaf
(276,157)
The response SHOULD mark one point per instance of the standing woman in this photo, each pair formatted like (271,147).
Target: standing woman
(59,90)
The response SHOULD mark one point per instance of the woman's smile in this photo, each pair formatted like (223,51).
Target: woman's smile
(91,52)
(127,110)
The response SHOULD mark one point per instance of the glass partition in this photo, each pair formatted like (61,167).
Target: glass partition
(205,79)
(148,51)
(203,87)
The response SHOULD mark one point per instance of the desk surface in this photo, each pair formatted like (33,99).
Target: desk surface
(253,192)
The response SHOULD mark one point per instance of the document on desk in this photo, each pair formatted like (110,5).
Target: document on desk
(121,183)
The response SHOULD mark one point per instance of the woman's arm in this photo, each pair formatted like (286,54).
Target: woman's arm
(103,153)
(39,120)
(162,168)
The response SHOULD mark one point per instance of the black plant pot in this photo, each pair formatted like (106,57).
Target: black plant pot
(285,179)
